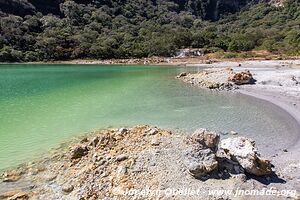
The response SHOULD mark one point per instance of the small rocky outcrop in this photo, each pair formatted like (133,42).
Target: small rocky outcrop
(200,158)
(218,79)
(241,78)
(243,151)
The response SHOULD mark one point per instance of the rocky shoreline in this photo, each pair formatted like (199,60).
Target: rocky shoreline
(275,82)
(146,162)
(218,79)
(120,163)
(175,61)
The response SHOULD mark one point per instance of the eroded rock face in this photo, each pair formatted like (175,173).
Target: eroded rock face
(200,157)
(243,151)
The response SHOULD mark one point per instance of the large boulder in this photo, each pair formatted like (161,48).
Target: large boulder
(205,139)
(241,78)
(200,157)
(243,151)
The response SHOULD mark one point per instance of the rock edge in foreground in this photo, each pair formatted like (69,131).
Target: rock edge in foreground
(207,154)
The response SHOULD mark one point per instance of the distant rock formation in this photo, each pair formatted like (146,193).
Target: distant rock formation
(218,79)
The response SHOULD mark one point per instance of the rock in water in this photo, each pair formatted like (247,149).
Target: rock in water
(183,74)
(243,151)
(200,158)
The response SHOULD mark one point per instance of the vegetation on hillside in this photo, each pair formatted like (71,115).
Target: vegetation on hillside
(126,29)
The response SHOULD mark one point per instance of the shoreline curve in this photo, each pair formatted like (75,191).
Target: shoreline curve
(294,113)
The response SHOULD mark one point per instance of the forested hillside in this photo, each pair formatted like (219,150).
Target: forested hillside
(36,30)
(206,9)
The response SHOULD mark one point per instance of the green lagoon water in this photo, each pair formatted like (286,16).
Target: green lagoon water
(44,105)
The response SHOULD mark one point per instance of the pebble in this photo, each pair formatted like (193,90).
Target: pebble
(101,162)
(151,131)
(183,74)
(224,133)
(78,152)
(121,157)
(94,142)
(33,171)
(84,140)
(51,177)
(233,133)
(155,142)
(67,188)
(122,170)
(122,131)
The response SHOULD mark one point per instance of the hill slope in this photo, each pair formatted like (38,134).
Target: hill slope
(207,9)
(54,30)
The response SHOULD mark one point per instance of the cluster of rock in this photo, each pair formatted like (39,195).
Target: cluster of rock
(218,79)
(208,156)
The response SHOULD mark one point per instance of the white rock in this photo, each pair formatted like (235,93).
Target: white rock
(243,151)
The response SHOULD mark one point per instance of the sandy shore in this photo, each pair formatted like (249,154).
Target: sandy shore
(277,82)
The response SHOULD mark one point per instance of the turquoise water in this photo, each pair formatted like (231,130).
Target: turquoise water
(44,105)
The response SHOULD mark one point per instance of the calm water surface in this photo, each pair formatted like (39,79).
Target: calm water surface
(44,105)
